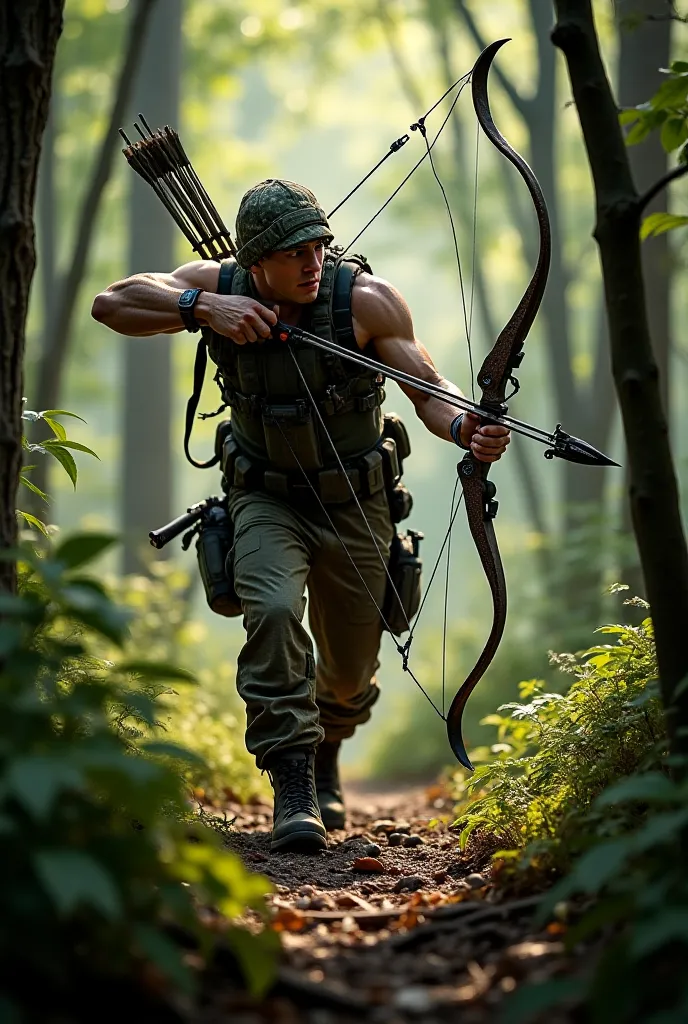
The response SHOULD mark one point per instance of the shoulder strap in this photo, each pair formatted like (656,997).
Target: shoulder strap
(342,319)
(224,287)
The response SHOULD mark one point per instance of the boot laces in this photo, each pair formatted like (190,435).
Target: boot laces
(295,786)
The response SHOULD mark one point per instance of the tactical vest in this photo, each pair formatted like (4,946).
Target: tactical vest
(272,420)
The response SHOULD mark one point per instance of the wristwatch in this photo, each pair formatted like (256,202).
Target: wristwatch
(186,302)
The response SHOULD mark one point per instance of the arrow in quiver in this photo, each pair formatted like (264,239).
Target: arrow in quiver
(159,158)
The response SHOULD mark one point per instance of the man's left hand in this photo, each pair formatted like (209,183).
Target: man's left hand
(487,442)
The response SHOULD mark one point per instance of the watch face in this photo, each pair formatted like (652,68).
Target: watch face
(187,298)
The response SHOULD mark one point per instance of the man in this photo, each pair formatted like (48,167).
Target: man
(298,519)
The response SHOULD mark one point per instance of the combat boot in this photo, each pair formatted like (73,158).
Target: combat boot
(328,786)
(297,824)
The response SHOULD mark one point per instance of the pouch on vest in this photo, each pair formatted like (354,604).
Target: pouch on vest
(291,437)
(405,570)
(212,548)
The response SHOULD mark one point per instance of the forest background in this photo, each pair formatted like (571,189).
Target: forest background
(316,92)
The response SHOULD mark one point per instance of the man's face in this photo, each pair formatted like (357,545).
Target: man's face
(293,275)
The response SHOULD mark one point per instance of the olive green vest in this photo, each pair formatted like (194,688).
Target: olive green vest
(272,416)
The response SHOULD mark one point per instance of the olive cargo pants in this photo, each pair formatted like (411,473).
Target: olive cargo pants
(279,550)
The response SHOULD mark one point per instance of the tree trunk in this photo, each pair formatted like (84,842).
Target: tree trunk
(29,31)
(645,47)
(54,356)
(653,489)
(147,460)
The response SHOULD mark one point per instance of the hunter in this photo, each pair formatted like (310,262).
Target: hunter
(299,521)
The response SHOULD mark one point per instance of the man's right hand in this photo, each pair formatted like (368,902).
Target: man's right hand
(237,317)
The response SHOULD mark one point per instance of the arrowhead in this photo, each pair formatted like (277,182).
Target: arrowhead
(574,449)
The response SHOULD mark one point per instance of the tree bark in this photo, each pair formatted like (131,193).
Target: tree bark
(654,496)
(29,31)
(57,336)
(645,47)
(147,460)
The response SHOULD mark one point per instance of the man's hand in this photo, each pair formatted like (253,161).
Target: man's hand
(487,442)
(236,317)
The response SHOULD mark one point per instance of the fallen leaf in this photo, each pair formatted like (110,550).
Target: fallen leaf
(288,920)
(371,864)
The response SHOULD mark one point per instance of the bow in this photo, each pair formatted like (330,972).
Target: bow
(494,375)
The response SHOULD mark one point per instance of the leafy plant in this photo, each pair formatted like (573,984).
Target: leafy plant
(667,113)
(58,447)
(206,717)
(102,871)
(537,788)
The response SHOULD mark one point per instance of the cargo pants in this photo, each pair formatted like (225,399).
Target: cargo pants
(292,699)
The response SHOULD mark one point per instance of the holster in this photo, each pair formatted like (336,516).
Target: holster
(405,571)
(215,539)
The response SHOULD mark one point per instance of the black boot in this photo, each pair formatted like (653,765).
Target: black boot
(297,824)
(328,786)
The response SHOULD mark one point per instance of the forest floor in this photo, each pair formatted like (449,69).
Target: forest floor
(391,924)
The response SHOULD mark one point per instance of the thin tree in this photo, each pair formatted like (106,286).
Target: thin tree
(29,31)
(653,491)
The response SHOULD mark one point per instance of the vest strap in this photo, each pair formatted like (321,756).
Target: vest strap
(224,287)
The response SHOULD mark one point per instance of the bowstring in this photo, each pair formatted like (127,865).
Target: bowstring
(464,82)
(404,649)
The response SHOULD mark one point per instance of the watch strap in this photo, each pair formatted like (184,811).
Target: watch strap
(186,303)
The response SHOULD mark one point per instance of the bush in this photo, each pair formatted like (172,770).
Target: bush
(101,868)
(555,754)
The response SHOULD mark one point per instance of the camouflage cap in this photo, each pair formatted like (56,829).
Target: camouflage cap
(277,214)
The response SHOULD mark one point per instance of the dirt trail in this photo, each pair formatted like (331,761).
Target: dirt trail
(410,931)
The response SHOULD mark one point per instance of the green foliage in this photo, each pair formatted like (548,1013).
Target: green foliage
(639,883)
(58,446)
(554,755)
(102,866)
(207,717)
(667,113)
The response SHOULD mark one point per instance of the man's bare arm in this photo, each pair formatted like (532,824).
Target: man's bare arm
(382,317)
(146,304)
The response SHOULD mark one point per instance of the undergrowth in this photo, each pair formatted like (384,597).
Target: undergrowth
(103,872)
(536,787)
(585,802)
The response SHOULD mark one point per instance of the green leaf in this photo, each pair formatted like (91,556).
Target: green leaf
(533,999)
(57,428)
(72,879)
(37,781)
(257,956)
(50,445)
(672,93)
(628,116)
(32,521)
(659,223)
(64,458)
(156,670)
(650,788)
(32,487)
(595,868)
(668,926)
(165,955)
(159,748)
(674,133)
(82,548)
(11,635)
(61,412)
